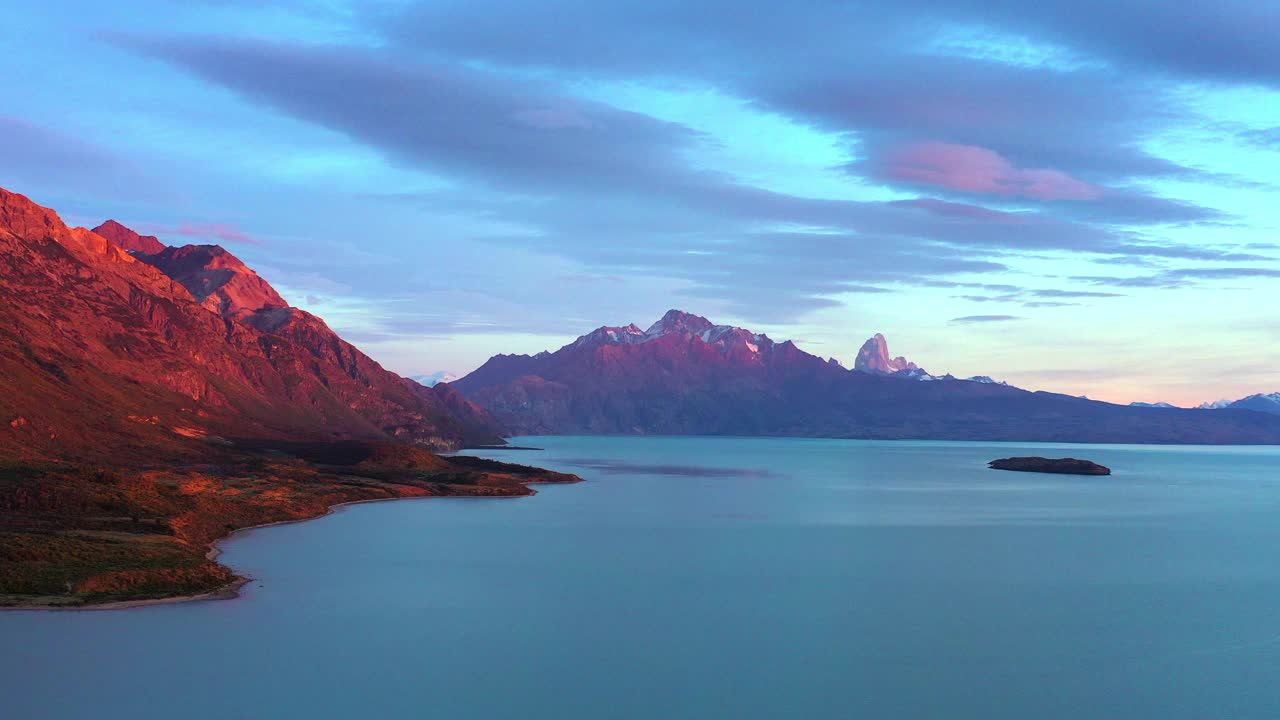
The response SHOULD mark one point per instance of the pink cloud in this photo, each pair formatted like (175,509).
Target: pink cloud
(969,168)
(218,231)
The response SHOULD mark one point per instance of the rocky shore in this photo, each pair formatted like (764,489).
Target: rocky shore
(79,537)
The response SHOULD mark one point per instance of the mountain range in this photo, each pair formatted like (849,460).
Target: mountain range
(110,340)
(687,375)
(1261,402)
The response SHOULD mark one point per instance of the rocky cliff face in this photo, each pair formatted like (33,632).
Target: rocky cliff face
(128,240)
(217,279)
(874,358)
(687,375)
(103,353)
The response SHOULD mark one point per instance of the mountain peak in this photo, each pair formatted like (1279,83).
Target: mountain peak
(24,218)
(127,239)
(217,279)
(677,320)
(728,340)
(610,335)
(874,358)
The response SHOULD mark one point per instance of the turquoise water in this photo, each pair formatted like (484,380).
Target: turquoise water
(723,578)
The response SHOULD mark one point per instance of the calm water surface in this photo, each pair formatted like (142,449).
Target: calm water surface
(723,578)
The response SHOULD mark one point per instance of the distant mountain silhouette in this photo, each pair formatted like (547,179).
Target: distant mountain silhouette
(687,375)
(1261,402)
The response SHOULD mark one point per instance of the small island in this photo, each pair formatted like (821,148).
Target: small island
(1061,466)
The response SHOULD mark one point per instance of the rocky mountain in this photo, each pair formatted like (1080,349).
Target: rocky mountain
(113,349)
(128,240)
(1261,402)
(687,375)
(874,358)
(216,279)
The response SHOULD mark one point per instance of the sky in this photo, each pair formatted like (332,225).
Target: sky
(1077,196)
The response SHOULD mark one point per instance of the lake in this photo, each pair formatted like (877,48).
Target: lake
(723,578)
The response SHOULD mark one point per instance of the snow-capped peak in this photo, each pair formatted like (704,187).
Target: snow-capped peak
(1261,402)
(727,337)
(1215,405)
(431,379)
(677,320)
(625,335)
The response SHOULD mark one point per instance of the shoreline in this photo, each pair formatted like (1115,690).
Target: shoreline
(231,590)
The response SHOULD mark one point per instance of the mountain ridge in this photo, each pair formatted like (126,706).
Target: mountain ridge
(93,328)
(216,279)
(129,240)
(1260,402)
(687,375)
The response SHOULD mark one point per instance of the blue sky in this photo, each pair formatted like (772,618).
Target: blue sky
(1073,196)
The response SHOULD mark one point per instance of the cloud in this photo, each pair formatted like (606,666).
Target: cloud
(989,298)
(47,163)
(972,169)
(1147,281)
(616,191)
(509,134)
(1264,137)
(1073,294)
(1229,41)
(1220,273)
(871,72)
(1190,252)
(615,174)
(1183,277)
(29,144)
(1026,297)
(216,231)
(845,66)
(968,319)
